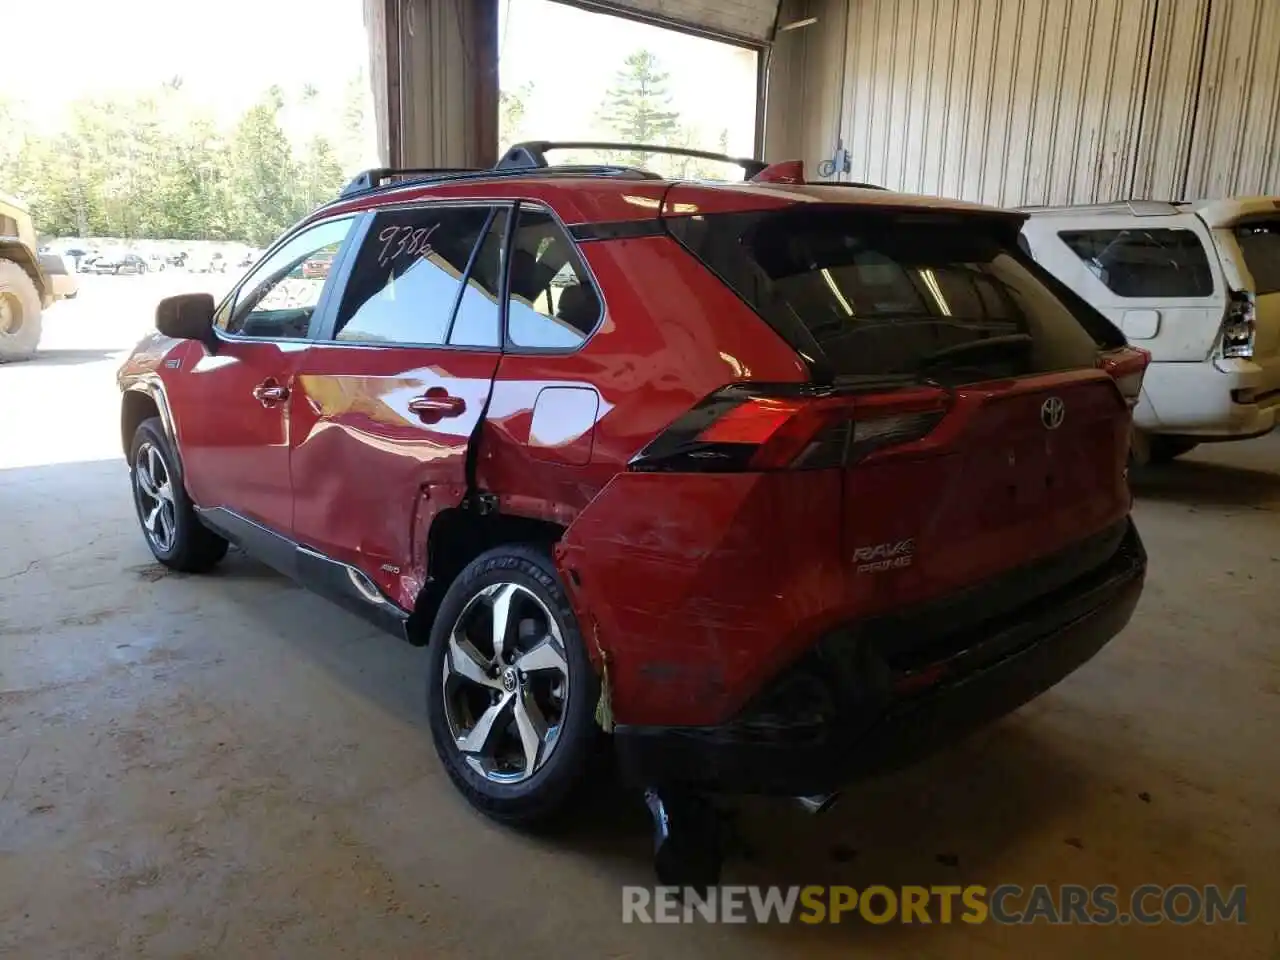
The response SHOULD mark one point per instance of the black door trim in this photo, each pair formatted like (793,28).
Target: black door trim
(338,582)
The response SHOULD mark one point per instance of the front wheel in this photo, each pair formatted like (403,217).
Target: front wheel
(511,692)
(20,313)
(175,535)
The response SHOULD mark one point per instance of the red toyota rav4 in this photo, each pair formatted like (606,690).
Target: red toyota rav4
(778,483)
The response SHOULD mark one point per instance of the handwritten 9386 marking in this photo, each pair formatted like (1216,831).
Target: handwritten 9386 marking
(404,242)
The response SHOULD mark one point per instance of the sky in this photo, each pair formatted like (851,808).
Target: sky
(228,57)
(228,51)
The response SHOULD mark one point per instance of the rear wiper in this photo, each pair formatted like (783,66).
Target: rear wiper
(947,354)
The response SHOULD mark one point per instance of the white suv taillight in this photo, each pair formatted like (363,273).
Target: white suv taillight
(1238,326)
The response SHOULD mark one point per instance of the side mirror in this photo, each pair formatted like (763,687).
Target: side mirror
(188,316)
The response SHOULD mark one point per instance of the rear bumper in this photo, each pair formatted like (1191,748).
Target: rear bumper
(1203,399)
(839,715)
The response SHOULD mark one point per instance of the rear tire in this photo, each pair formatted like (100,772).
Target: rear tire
(544,673)
(169,523)
(21,317)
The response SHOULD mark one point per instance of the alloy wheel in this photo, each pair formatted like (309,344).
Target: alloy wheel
(153,485)
(506,683)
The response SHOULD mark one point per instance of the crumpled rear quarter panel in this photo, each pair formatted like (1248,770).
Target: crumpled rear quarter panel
(698,588)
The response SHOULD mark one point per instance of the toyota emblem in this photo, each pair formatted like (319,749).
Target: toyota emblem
(1051,413)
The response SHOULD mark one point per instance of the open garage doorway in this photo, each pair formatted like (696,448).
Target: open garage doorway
(166,127)
(571,74)
(159,150)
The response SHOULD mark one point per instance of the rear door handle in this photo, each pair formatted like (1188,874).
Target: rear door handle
(270,391)
(436,404)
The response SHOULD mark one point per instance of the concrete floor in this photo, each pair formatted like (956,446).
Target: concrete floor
(226,766)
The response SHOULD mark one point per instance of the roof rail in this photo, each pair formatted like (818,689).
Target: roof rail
(1135,208)
(375,178)
(532,154)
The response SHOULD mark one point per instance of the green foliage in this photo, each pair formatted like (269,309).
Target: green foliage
(511,109)
(157,166)
(638,107)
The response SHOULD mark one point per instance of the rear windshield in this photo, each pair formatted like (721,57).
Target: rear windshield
(1259,241)
(1144,263)
(869,294)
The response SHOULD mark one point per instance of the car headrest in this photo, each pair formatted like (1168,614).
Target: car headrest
(579,307)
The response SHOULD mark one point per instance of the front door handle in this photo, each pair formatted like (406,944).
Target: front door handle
(270,391)
(436,404)
(437,401)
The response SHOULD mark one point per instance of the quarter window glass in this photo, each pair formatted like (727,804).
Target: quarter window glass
(1259,242)
(405,282)
(1144,263)
(477,321)
(278,298)
(553,303)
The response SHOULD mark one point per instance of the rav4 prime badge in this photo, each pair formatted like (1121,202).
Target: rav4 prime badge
(885,556)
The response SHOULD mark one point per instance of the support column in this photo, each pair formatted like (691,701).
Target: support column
(434,65)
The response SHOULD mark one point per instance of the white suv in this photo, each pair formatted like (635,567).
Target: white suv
(1198,285)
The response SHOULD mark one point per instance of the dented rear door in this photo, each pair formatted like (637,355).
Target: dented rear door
(388,403)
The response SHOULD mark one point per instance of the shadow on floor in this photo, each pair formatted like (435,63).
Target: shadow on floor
(1201,483)
(944,820)
(64,358)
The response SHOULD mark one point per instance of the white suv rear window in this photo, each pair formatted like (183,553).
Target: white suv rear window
(1144,263)
(1259,242)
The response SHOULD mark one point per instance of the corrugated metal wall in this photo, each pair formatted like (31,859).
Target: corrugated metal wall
(1005,101)
(1037,101)
(802,108)
(1234,147)
(1169,112)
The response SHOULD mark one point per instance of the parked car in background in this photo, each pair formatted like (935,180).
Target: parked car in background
(207,263)
(778,483)
(178,259)
(1197,285)
(156,262)
(118,263)
(317,267)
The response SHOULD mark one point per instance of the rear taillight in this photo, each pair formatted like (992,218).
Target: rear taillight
(1126,366)
(784,427)
(1238,326)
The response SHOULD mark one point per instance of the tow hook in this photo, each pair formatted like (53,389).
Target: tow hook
(687,838)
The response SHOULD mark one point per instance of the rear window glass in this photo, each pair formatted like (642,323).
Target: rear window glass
(1144,263)
(1259,242)
(950,298)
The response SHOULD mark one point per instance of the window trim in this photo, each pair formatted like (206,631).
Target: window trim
(1206,247)
(508,347)
(325,335)
(322,305)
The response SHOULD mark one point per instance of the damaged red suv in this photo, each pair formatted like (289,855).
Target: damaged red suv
(778,483)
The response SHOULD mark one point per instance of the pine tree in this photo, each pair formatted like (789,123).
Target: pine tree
(637,106)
